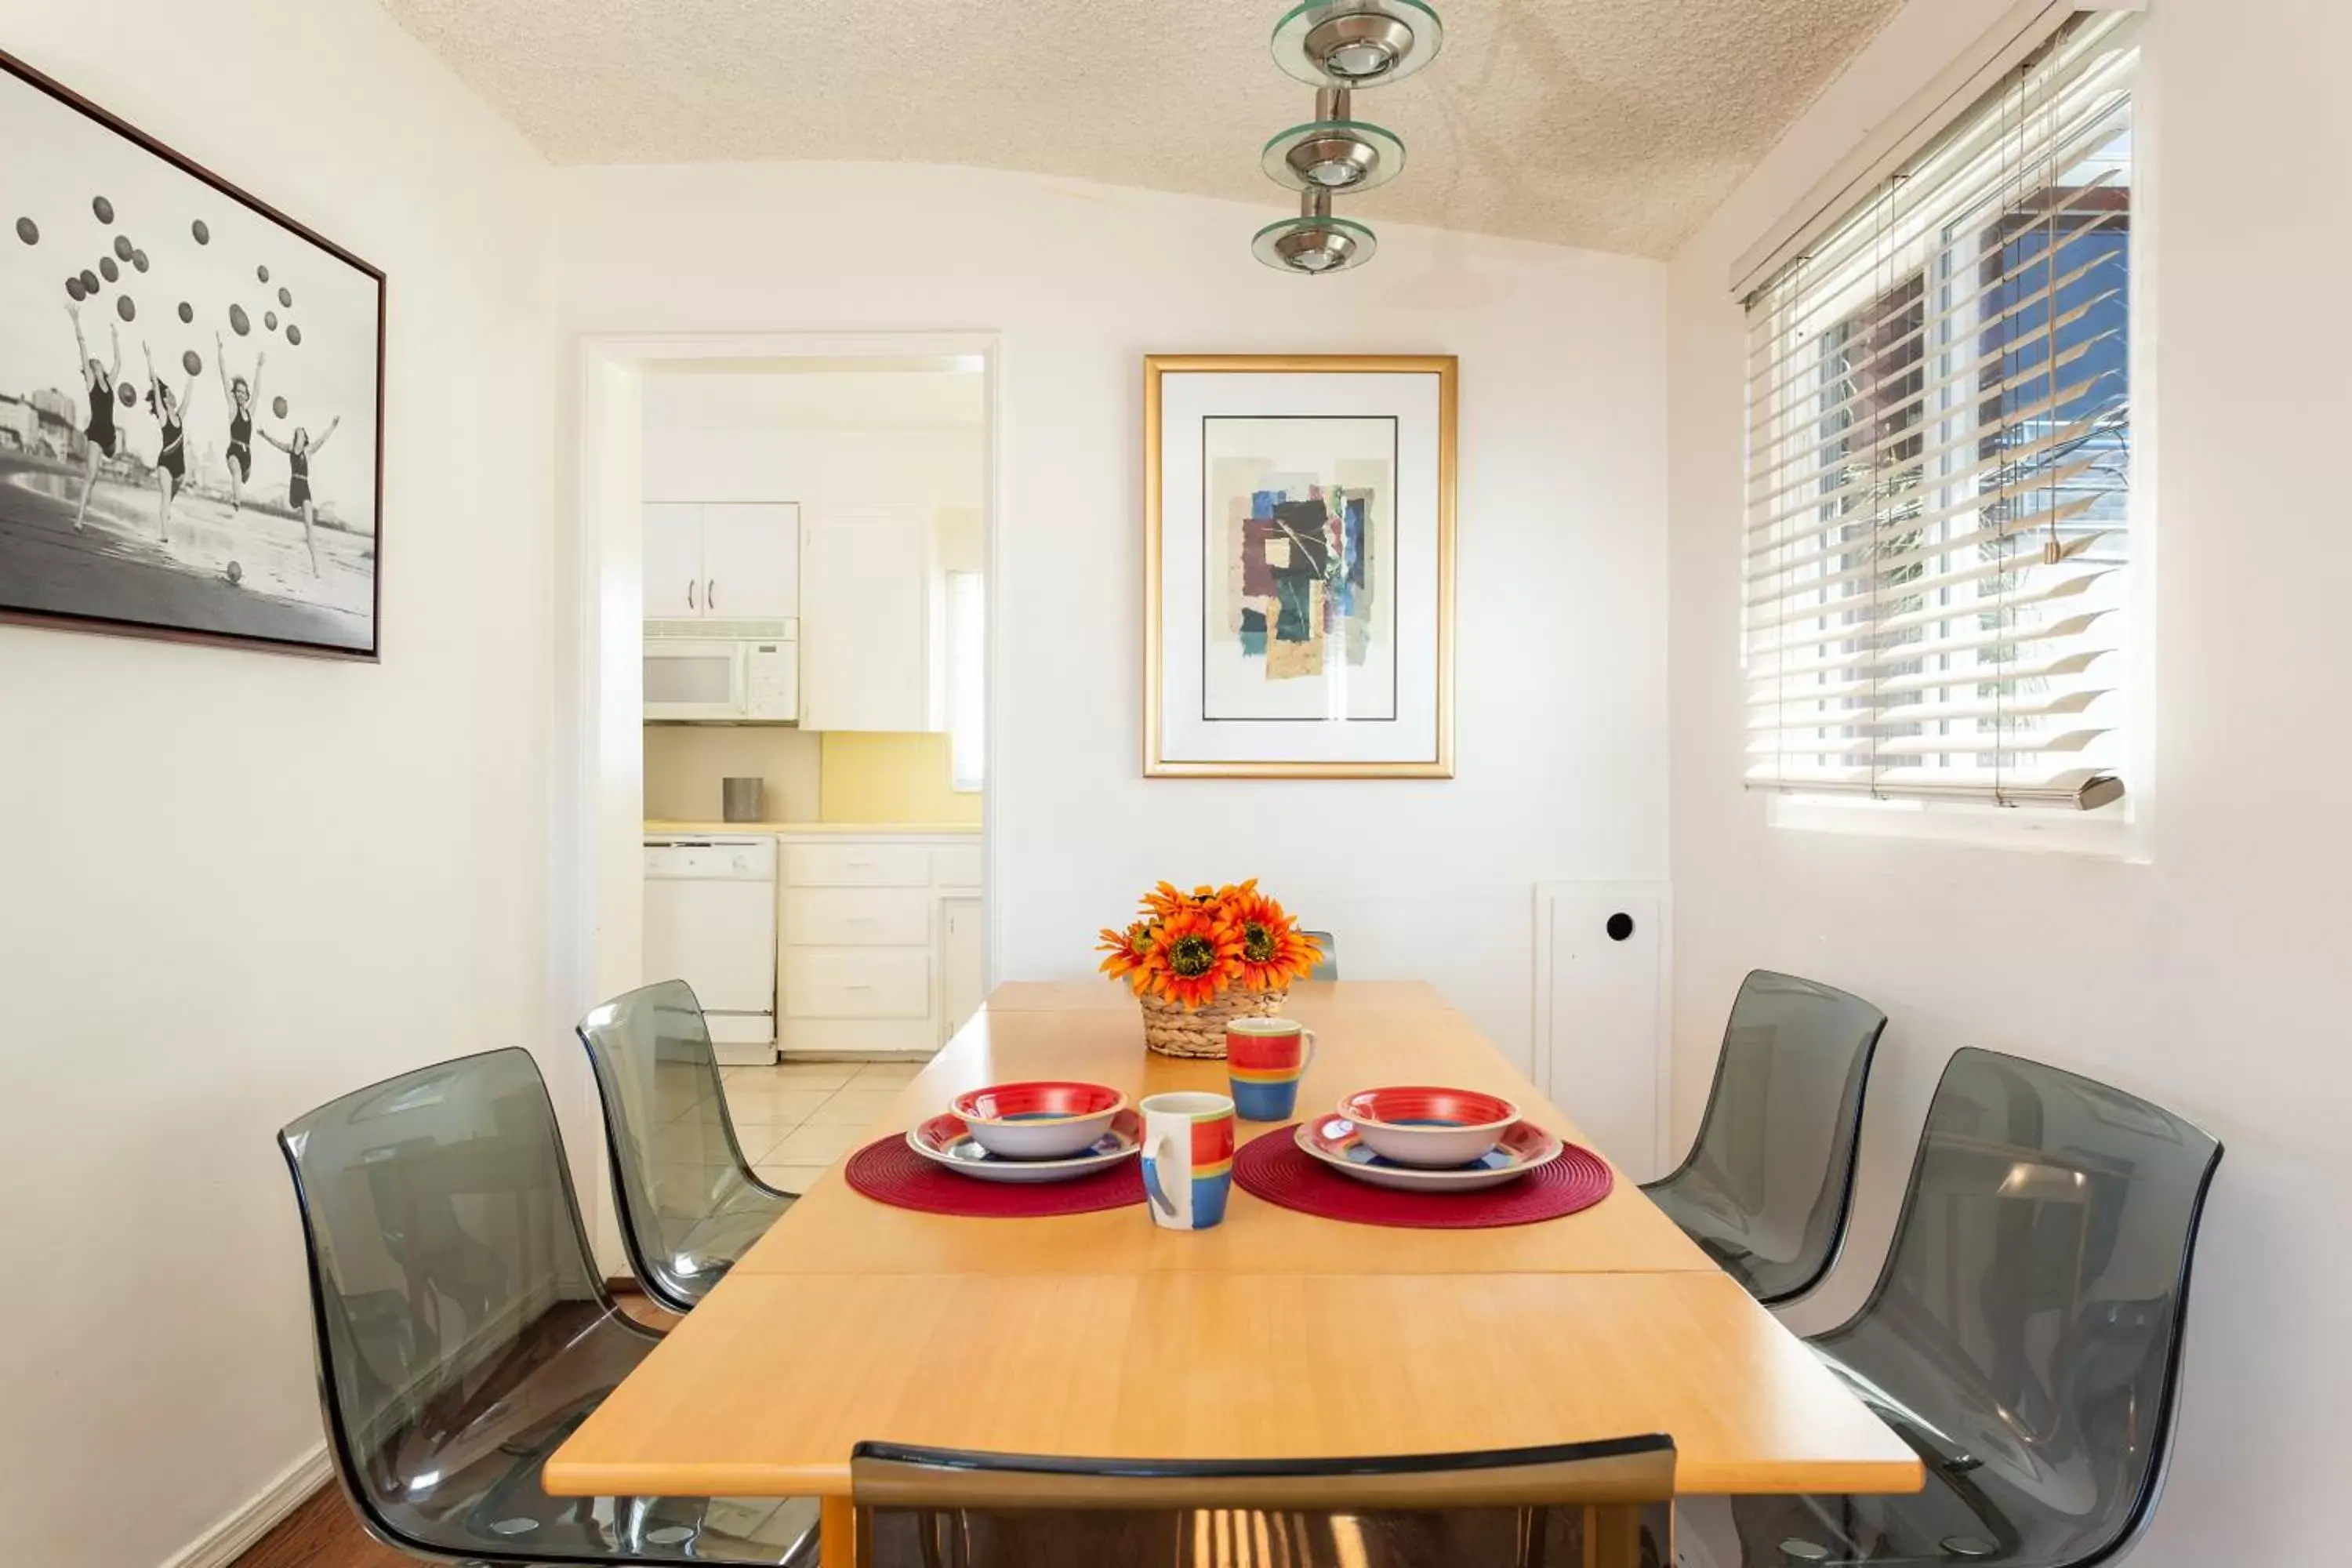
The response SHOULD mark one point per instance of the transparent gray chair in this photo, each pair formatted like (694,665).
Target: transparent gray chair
(2026,1334)
(690,1204)
(463,1332)
(1561,1507)
(1328,966)
(1769,1183)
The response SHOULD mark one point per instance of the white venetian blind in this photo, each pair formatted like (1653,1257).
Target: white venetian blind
(1936,560)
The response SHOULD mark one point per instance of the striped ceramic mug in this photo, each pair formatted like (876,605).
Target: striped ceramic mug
(1188,1158)
(1265,1060)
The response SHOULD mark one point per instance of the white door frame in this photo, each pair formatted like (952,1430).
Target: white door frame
(598,827)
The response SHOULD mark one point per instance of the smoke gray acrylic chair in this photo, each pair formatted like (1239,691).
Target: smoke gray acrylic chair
(2026,1335)
(1328,966)
(1522,1508)
(690,1204)
(463,1331)
(1769,1181)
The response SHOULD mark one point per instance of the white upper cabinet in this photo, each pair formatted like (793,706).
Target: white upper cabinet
(867,620)
(751,561)
(672,561)
(733,561)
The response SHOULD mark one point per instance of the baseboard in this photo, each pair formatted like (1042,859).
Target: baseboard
(228,1539)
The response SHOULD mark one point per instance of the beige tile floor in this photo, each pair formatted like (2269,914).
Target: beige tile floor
(795,1119)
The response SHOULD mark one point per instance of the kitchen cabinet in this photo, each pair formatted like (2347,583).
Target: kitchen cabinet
(964,961)
(750,562)
(867,622)
(881,948)
(726,561)
(672,561)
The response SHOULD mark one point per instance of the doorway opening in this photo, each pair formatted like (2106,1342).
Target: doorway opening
(779,766)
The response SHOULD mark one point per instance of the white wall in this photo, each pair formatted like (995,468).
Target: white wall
(824,438)
(2211,978)
(234,885)
(1561,684)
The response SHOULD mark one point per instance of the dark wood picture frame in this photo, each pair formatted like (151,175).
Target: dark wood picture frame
(38,80)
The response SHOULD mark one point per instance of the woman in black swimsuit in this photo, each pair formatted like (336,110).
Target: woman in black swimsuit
(100,380)
(242,396)
(172,462)
(299,453)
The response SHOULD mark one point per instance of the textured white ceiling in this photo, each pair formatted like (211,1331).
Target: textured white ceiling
(1617,124)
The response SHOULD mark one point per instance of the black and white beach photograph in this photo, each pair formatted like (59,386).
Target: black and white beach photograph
(188,396)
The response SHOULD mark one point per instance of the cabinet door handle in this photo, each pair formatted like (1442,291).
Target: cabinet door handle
(690,593)
(711,594)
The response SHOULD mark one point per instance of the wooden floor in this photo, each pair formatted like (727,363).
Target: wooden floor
(322,1533)
(325,1533)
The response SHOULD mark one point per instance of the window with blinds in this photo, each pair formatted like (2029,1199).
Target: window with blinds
(1936,556)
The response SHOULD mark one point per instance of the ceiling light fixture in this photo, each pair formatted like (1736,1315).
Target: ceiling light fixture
(1338,45)
(1356,42)
(1315,242)
(1342,156)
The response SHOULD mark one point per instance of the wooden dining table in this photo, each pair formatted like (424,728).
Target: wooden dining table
(1275,1335)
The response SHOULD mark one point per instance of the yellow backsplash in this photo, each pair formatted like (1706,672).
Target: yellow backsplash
(869,777)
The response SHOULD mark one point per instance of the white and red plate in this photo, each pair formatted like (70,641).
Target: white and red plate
(945,1139)
(1339,1144)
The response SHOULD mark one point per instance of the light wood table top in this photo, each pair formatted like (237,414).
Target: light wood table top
(766,1387)
(1275,1335)
(833,1224)
(1309,999)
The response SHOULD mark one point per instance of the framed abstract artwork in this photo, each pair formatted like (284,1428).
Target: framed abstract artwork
(1298,566)
(190,395)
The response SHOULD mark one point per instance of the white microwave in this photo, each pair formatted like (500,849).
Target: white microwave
(726,672)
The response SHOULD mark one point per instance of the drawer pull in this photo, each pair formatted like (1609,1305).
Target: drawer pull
(860,920)
(856,985)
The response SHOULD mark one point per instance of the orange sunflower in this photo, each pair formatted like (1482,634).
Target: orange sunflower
(1273,951)
(1192,957)
(1124,950)
(1165,900)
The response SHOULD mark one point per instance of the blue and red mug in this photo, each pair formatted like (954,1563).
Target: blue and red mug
(1265,1060)
(1188,1158)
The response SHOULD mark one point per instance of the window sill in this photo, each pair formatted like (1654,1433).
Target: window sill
(2112,833)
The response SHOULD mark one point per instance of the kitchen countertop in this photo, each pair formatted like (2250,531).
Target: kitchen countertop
(699,829)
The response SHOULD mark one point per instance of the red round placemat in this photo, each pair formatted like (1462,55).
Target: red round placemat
(888,1172)
(1272,1166)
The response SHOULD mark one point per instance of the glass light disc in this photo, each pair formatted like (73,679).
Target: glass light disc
(1381,155)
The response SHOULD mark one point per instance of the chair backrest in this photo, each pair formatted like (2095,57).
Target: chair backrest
(1769,1180)
(675,1161)
(1328,966)
(1518,1507)
(2025,1333)
(448,1262)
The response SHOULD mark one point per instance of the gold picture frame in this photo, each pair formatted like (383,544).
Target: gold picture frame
(1439,761)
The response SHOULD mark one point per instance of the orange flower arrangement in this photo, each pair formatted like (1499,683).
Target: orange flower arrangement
(1191,948)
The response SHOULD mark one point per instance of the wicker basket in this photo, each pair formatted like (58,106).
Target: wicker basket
(1173,1031)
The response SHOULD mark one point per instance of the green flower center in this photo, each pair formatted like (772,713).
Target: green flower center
(1192,955)
(1257,942)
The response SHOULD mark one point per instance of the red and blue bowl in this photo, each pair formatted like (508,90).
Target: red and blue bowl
(1433,1127)
(1049,1119)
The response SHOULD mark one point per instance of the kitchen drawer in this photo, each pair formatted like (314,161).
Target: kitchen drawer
(958,866)
(857,917)
(857,982)
(857,866)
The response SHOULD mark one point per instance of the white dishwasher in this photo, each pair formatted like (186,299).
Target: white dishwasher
(711,921)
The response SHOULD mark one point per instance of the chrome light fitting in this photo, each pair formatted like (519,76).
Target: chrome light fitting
(1356,42)
(1338,46)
